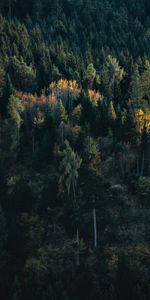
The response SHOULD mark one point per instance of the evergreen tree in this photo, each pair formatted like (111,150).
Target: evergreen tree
(14,121)
(145,82)
(69,168)
(61,114)
(144,156)
(111,76)
(129,130)
(135,88)
(61,120)
(23,76)
(91,155)
(8,90)
(91,163)
(89,75)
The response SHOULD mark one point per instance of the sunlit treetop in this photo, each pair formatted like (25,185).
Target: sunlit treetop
(142,119)
(64,84)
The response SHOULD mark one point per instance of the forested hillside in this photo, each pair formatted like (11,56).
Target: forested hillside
(74,150)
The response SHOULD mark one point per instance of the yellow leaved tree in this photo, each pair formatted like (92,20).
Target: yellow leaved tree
(142,119)
(65,90)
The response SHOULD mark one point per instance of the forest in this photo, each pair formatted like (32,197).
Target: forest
(75,150)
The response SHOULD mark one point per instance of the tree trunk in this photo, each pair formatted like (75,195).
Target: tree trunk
(62,133)
(142,165)
(95,227)
(33,143)
(77,233)
(78,259)
(54,225)
(138,172)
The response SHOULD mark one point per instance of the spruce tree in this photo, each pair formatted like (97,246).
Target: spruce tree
(8,90)
(135,88)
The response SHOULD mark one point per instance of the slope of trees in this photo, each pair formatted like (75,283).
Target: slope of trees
(74,150)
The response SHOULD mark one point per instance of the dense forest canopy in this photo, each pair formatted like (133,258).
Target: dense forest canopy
(74,149)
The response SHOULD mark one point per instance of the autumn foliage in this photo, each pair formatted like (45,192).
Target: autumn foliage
(95,96)
(142,119)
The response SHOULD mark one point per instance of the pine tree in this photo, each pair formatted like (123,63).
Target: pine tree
(61,114)
(14,121)
(135,88)
(129,131)
(144,152)
(91,162)
(111,75)
(61,120)
(145,82)
(89,75)
(8,90)
(69,169)
(23,76)
(91,155)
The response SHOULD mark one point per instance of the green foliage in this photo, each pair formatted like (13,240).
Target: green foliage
(145,81)
(15,108)
(22,75)
(69,166)
(14,122)
(129,131)
(136,87)
(8,90)
(91,155)
(61,114)
(111,75)
(89,75)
